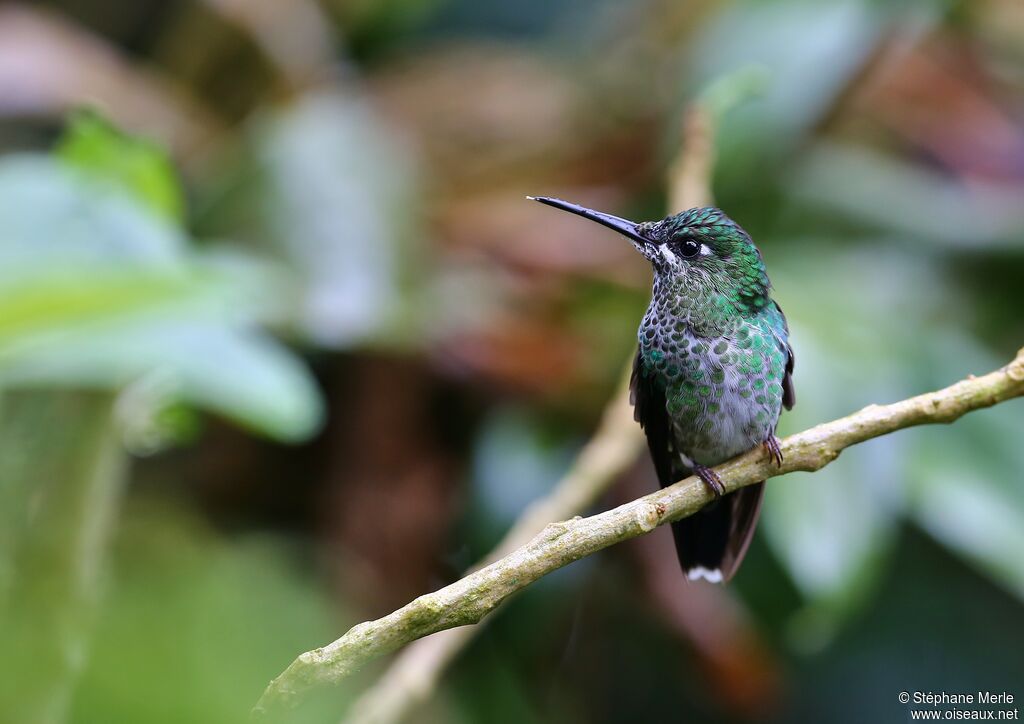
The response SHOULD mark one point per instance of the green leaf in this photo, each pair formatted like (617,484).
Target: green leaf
(245,376)
(53,217)
(98,291)
(136,166)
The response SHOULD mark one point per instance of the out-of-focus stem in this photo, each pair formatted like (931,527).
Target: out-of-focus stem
(61,473)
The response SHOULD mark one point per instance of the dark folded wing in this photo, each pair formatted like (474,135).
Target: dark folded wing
(788,391)
(648,398)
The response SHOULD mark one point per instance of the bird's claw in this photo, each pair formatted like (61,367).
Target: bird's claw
(774,449)
(711,479)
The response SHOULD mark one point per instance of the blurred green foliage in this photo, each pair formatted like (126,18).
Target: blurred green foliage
(138,167)
(102,288)
(228,613)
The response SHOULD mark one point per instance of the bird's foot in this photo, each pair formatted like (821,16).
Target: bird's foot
(711,479)
(774,450)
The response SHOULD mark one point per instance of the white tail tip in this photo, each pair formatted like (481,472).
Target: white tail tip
(696,574)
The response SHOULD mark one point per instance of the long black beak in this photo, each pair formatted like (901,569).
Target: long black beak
(628,228)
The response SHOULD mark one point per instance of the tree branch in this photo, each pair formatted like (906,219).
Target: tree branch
(468,600)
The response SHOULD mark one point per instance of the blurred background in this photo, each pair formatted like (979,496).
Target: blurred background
(282,346)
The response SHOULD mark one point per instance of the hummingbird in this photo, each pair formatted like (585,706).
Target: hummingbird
(712,372)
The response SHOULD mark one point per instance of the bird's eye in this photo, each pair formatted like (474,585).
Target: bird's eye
(689,248)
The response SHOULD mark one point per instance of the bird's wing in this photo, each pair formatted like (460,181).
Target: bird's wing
(648,399)
(788,391)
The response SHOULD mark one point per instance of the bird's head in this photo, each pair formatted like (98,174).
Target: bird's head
(701,247)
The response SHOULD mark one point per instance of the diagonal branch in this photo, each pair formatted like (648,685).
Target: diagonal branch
(468,600)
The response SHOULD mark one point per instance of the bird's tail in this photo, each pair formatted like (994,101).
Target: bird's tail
(711,543)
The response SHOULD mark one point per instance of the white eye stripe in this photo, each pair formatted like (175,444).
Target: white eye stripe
(670,256)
